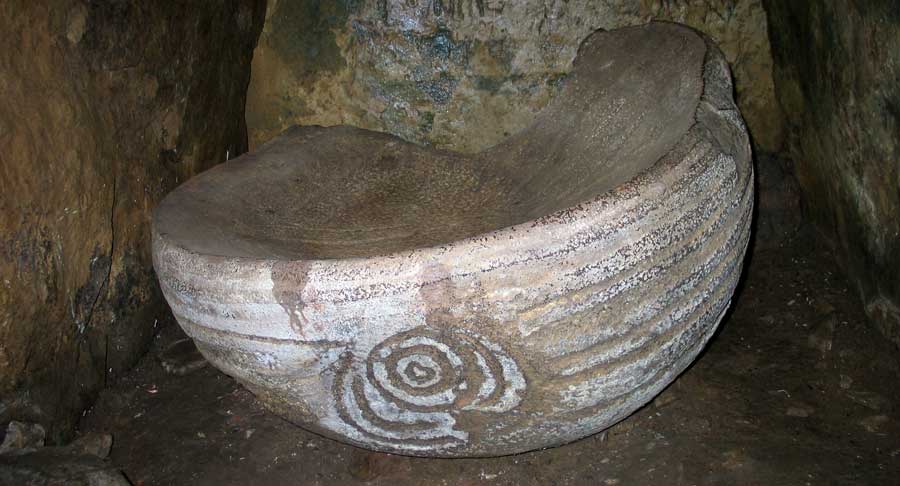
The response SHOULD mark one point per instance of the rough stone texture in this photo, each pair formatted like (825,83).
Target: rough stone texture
(428,302)
(464,74)
(22,436)
(79,463)
(838,79)
(106,107)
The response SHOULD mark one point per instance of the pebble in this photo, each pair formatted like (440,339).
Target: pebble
(25,460)
(22,436)
(874,423)
(846,382)
(801,412)
(94,444)
(821,337)
(870,400)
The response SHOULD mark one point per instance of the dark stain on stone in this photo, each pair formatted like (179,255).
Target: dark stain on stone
(383,10)
(892,109)
(499,50)
(426,122)
(303,34)
(441,44)
(32,255)
(556,80)
(135,298)
(441,48)
(491,84)
(440,90)
(289,280)
(169,157)
(131,284)
(87,295)
(396,90)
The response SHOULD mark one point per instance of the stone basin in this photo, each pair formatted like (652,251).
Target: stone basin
(425,302)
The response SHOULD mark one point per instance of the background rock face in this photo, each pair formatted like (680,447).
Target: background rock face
(837,72)
(106,107)
(463,74)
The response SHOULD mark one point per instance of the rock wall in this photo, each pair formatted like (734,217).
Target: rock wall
(106,107)
(838,81)
(463,74)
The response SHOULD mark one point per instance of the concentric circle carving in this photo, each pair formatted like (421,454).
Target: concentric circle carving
(410,388)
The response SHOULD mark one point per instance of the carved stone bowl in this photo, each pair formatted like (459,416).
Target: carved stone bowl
(425,302)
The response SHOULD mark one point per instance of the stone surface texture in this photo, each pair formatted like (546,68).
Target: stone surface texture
(838,79)
(465,74)
(81,462)
(107,106)
(427,302)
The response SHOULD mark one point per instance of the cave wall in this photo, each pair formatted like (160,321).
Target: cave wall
(837,74)
(463,74)
(106,107)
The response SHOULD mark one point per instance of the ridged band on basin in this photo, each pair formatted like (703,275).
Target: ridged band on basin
(523,337)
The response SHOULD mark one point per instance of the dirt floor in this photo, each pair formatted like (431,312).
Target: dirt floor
(795,389)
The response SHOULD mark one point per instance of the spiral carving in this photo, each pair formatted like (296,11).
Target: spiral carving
(410,389)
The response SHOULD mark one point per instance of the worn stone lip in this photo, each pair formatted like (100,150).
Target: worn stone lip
(590,212)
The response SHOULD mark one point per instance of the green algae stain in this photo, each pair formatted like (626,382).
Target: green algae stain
(491,84)
(426,123)
(303,34)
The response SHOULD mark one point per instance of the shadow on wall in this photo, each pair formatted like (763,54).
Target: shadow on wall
(837,71)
